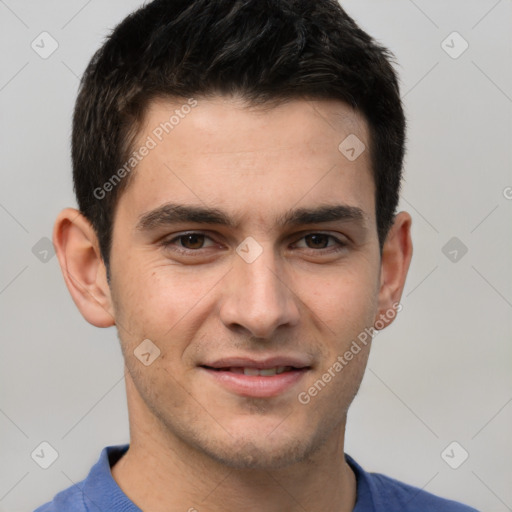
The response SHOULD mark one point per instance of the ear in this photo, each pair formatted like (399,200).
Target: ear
(395,261)
(77,249)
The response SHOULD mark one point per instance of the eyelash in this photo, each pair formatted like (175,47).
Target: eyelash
(169,243)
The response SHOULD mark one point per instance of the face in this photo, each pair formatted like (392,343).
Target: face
(245,249)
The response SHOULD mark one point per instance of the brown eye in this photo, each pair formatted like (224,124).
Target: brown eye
(192,241)
(189,244)
(317,241)
(321,243)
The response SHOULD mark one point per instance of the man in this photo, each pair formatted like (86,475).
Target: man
(237,165)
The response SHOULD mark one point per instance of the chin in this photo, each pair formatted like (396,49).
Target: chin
(259,454)
(257,447)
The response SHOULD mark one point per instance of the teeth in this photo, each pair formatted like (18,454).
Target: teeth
(264,372)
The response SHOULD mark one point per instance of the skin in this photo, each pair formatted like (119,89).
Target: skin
(193,443)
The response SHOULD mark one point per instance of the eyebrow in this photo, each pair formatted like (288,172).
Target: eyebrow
(171,213)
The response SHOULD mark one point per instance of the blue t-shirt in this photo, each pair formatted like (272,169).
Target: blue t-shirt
(99,492)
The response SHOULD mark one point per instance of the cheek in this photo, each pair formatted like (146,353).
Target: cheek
(344,299)
(163,302)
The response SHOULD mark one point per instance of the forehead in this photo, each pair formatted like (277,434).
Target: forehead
(221,152)
(232,123)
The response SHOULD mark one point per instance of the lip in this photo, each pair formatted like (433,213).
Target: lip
(256,385)
(267,362)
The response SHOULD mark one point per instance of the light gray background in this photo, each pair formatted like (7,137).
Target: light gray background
(440,373)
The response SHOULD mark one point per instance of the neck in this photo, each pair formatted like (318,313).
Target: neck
(161,473)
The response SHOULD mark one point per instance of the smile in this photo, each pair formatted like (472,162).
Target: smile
(256,382)
(264,372)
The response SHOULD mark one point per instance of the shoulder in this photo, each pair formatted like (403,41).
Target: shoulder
(408,498)
(97,488)
(380,493)
(69,500)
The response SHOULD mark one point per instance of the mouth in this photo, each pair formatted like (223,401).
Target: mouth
(263,379)
(249,370)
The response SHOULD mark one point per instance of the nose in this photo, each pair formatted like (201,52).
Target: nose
(257,297)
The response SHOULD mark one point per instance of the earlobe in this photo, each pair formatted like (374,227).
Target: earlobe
(395,261)
(84,272)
